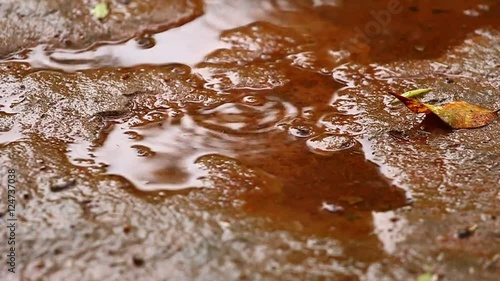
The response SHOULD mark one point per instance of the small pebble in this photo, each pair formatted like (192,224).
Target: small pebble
(127,228)
(467,232)
(26,196)
(63,185)
(394,219)
(125,76)
(138,261)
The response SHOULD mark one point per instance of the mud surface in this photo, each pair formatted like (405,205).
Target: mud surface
(248,140)
(71,25)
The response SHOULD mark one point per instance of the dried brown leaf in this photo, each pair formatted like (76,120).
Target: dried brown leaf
(413,104)
(457,114)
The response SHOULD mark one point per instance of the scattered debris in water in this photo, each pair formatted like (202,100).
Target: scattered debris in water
(332,208)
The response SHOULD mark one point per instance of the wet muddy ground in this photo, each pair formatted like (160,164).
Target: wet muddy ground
(248,140)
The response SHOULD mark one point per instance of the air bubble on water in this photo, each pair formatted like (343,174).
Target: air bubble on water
(254,100)
(301,131)
(325,144)
(145,42)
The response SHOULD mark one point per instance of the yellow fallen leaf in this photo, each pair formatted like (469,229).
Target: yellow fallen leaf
(457,114)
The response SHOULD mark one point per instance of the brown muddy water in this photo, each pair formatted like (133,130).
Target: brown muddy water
(265,108)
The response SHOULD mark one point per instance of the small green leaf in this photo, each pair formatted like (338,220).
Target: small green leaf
(100,11)
(425,277)
(413,93)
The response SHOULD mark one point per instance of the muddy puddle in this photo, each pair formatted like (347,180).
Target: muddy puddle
(266,111)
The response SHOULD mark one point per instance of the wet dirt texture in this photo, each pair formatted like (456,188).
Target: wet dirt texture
(70,24)
(250,140)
